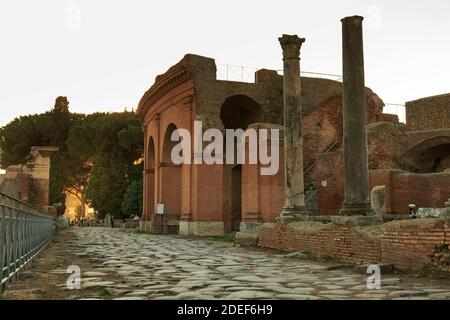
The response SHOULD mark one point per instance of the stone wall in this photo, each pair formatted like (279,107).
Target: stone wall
(413,244)
(401,188)
(404,188)
(428,113)
(323,240)
(30,182)
(409,245)
(189,91)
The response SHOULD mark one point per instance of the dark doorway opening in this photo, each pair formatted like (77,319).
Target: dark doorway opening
(236,197)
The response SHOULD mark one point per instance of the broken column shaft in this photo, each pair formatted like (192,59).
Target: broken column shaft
(293,151)
(356,171)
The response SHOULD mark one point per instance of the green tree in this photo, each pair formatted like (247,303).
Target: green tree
(17,138)
(46,129)
(132,203)
(111,142)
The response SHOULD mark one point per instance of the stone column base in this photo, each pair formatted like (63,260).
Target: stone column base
(357,209)
(248,234)
(250,226)
(201,228)
(289,214)
(349,221)
(246,239)
(146,226)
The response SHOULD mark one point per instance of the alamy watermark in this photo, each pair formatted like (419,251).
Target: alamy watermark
(73,21)
(230,149)
(374,280)
(74,280)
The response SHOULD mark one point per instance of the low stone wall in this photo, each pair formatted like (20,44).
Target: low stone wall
(413,244)
(350,244)
(409,245)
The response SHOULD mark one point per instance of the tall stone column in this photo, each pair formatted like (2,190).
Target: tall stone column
(293,151)
(356,171)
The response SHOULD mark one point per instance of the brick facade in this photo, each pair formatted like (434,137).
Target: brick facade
(199,195)
(401,188)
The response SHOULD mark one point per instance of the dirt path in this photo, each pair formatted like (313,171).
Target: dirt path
(45,277)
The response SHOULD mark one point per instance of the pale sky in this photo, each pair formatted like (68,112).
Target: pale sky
(104,54)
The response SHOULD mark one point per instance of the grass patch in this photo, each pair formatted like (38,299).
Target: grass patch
(225,238)
(435,273)
(325,258)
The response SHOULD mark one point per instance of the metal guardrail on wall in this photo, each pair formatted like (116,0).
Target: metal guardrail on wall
(396,108)
(24,233)
(237,73)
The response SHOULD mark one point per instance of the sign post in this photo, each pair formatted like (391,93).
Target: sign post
(160,212)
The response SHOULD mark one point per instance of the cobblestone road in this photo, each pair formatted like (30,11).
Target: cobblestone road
(146,266)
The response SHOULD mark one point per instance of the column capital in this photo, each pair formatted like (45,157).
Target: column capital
(352,19)
(291,45)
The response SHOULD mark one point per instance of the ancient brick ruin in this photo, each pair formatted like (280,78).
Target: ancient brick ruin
(30,182)
(404,163)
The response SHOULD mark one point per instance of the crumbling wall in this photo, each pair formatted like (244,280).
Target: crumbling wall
(413,244)
(408,245)
(30,182)
(356,245)
(428,113)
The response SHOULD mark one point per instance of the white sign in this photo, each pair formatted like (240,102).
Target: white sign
(160,208)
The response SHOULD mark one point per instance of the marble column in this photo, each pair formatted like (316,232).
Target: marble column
(293,151)
(356,171)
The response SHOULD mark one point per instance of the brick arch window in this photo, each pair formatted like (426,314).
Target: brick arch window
(150,154)
(431,155)
(239,111)
(168,144)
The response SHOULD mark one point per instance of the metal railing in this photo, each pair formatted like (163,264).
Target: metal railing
(238,73)
(396,108)
(24,233)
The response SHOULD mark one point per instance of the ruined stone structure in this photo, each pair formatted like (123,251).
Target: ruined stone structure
(212,199)
(409,165)
(30,182)
(397,161)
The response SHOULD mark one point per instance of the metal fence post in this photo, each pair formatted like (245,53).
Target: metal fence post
(24,233)
(2,246)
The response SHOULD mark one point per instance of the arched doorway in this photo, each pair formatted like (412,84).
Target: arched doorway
(150,180)
(431,155)
(237,112)
(170,184)
(236,197)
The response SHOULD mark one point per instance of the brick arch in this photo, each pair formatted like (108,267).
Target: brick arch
(240,111)
(171,181)
(149,179)
(430,155)
(151,154)
(167,144)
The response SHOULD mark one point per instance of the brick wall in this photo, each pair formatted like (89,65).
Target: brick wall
(412,244)
(343,243)
(402,188)
(428,113)
(330,182)
(409,245)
